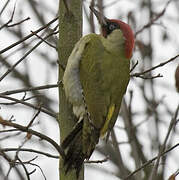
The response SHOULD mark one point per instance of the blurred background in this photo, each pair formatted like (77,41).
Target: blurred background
(149,105)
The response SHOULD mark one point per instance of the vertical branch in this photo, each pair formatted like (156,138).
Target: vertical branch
(70,31)
(136,150)
(123,170)
(91,19)
(162,149)
(100,5)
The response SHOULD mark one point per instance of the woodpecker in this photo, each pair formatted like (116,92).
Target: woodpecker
(95,81)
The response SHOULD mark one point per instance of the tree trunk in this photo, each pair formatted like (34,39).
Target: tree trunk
(70,31)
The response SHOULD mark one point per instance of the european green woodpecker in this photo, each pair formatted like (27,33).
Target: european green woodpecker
(95,81)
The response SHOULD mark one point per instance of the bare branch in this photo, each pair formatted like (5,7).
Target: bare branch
(8,130)
(32,120)
(98,161)
(25,169)
(11,164)
(28,36)
(30,151)
(155,67)
(20,22)
(26,54)
(150,77)
(31,89)
(45,41)
(28,104)
(152,21)
(162,149)
(10,20)
(4,7)
(173,176)
(121,165)
(134,66)
(33,164)
(35,133)
(150,161)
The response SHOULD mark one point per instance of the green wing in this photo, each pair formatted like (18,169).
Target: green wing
(104,77)
(91,79)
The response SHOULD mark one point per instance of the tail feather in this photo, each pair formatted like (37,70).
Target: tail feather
(73,143)
(66,142)
(75,157)
(79,145)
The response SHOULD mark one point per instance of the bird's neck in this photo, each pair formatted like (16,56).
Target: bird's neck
(115,42)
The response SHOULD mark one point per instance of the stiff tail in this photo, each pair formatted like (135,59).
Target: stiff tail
(73,145)
(66,142)
(79,145)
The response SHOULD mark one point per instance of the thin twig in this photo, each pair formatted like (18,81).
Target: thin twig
(35,133)
(150,161)
(120,161)
(31,89)
(8,130)
(11,164)
(11,18)
(173,176)
(45,41)
(30,151)
(150,77)
(9,136)
(32,120)
(20,22)
(23,99)
(155,67)
(154,19)
(24,167)
(4,7)
(28,104)
(98,161)
(28,36)
(162,149)
(33,164)
(134,66)
(26,54)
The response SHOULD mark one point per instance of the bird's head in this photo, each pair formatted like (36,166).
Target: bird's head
(109,25)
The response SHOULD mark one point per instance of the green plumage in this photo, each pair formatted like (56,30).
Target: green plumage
(103,73)
(104,76)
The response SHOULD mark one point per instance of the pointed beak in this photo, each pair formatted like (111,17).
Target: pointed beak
(101,18)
